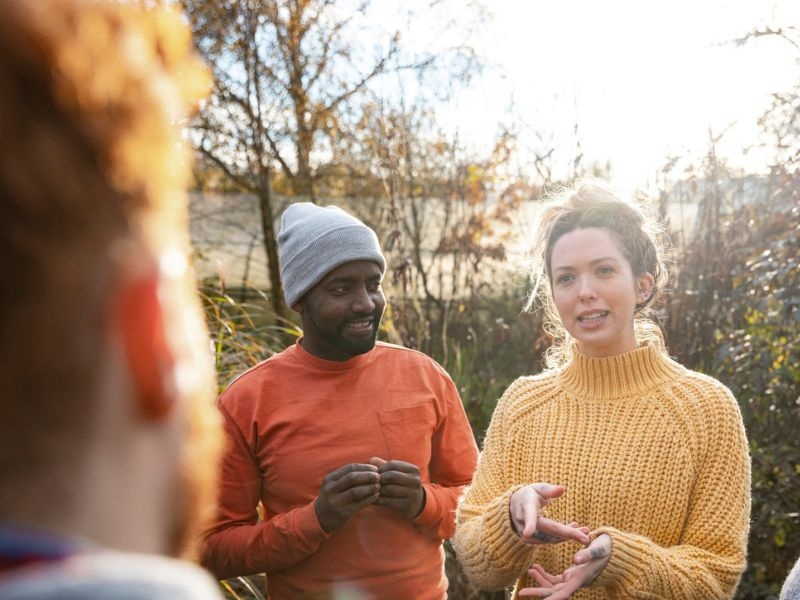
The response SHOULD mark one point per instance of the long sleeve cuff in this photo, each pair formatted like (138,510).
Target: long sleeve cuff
(309,533)
(431,513)
(681,572)
(625,567)
(502,542)
(492,554)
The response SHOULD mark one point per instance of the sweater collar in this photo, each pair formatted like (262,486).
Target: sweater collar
(329,366)
(630,374)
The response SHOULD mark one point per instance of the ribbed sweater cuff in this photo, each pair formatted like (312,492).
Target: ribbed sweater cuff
(625,568)
(502,542)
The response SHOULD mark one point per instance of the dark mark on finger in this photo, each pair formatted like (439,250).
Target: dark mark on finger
(546,537)
(597,552)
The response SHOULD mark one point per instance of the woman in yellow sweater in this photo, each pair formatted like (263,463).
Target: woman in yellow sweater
(648,457)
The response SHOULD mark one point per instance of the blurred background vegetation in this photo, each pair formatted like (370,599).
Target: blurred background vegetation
(301,110)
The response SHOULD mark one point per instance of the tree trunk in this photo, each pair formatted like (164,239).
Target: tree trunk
(302,184)
(270,241)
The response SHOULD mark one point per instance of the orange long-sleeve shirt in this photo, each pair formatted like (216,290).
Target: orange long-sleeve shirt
(293,419)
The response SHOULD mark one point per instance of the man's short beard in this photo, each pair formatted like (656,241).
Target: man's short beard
(338,340)
(352,347)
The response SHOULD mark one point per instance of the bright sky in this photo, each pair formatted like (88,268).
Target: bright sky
(643,79)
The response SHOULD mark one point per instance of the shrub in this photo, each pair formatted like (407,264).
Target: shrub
(735,315)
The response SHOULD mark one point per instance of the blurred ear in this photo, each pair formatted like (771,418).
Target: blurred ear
(139,319)
(644,287)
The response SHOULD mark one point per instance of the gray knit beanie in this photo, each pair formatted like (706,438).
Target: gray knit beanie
(314,240)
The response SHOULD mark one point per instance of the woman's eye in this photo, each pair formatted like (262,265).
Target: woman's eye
(564,279)
(605,270)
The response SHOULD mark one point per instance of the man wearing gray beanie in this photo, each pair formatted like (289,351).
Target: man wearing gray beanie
(357,450)
(314,241)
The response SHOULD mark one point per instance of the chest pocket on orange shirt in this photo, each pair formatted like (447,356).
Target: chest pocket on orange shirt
(408,432)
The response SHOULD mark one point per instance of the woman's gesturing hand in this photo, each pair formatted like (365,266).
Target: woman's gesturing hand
(525,508)
(588,564)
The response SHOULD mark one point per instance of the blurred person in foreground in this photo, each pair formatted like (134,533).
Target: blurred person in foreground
(108,436)
(616,435)
(357,449)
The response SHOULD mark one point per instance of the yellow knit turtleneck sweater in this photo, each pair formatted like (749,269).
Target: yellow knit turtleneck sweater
(650,453)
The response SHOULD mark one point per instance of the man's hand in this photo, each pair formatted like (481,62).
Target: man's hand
(344,492)
(588,564)
(525,507)
(401,487)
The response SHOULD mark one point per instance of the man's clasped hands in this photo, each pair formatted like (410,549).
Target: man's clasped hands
(532,527)
(394,484)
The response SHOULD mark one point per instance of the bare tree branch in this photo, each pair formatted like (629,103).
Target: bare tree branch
(223,166)
(781,32)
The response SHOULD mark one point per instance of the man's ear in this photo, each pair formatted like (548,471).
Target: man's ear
(139,319)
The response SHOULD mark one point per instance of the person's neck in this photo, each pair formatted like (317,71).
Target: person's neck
(325,352)
(92,506)
(131,505)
